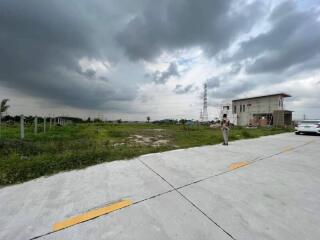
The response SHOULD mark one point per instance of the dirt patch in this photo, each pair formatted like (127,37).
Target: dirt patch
(160,142)
(156,140)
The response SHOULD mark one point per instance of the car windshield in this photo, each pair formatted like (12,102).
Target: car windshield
(310,122)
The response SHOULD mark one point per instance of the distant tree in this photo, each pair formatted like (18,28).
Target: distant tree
(97,120)
(16,118)
(8,118)
(29,119)
(119,120)
(148,119)
(183,121)
(3,108)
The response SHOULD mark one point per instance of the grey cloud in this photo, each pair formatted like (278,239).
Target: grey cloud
(292,40)
(171,25)
(103,78)
(41,43)
(213,82)
(89,73)
(226,86)
(179,89)
(230,86)
(162,77)
(235,68)
(231,90)
(290,47)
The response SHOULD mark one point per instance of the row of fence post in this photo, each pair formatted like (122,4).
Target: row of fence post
(60,122)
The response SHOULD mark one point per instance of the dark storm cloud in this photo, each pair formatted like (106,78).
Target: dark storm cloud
(171,25)
(41,43)
(162,77)
(292,40)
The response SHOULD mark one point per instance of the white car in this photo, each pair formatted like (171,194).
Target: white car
(308,126)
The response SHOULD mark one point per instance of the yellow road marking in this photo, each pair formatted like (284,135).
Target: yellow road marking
(290,148)
(287,149)
(238,165)
(91,214)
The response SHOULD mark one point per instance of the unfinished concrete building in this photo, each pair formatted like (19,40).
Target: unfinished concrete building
(262,111)
(226,109)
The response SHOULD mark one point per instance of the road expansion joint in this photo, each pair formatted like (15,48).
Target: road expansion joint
(188,200)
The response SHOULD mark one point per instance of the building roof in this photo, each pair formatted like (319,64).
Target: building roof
(285,111)
(271,95)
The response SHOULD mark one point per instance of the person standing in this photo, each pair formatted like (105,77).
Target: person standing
(225,128)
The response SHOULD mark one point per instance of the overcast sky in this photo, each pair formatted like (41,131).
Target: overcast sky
(131,59)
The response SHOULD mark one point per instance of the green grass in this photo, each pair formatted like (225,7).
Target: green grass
(80,145)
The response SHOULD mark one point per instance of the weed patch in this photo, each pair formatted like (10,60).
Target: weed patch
(77,146)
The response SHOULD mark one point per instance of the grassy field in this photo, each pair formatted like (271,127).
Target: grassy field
(80,145)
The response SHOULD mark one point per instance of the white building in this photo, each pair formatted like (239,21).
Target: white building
(227,109)
(262,110)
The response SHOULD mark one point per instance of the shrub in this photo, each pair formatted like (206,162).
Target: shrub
(245,133)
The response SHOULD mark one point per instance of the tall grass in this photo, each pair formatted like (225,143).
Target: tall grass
(81,145)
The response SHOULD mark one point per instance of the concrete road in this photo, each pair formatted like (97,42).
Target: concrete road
(265,188)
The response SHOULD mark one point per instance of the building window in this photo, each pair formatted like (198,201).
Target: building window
(281,103)
(244,108)
(240,108)
(234,109)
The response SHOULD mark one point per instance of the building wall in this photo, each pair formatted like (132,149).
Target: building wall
(227,109)
(245,109)
(282,118)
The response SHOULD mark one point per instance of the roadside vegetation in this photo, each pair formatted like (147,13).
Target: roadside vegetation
(76,146)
